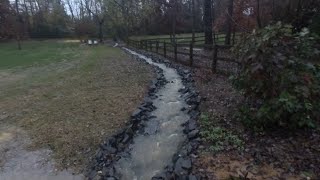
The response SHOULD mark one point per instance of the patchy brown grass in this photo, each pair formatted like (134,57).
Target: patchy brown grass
(71,110)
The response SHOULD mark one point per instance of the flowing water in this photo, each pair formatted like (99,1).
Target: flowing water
(151,152)
(17,163)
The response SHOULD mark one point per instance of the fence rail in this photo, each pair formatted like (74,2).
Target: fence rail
(189,52)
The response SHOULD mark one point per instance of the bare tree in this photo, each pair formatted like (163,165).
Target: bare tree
(18,25)
(98,10)
(229,22)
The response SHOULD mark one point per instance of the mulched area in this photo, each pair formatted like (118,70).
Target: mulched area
(270,155)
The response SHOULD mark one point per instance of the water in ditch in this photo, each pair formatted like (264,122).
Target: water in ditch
(150,153)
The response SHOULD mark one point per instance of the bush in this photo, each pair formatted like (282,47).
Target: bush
(280,78)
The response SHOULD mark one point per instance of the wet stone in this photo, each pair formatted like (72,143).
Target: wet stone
(110,149)
(193,134)
(161,176)
(192,177)
(136,113)
(92,175)
(126,139)
(186,164)
(179,167)
(192,125)
(110,178)
(108,171)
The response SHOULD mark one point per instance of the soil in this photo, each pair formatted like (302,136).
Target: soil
(270,155)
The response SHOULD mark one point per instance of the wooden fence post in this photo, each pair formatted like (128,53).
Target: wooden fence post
(191,54)
(234,37)
(151,43)
(165,49)
(175,52)
(157,46)
(214,59)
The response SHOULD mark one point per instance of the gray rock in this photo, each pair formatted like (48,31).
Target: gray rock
(111,149)
(92,175)
(193,134)
(192,177)
(111,178)
(136,113)
(186,164)
(182,166)
(192,125)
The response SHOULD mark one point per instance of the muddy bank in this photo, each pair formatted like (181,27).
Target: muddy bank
(161,136)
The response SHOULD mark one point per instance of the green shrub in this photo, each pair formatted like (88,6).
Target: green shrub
(280,78)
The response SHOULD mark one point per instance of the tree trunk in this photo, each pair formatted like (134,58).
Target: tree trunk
(193,21)
(258,14)
(18,25)
(174,22)
(273,11)
(229,23)
(208,22)
(100,32)
(298,20)
(70,9)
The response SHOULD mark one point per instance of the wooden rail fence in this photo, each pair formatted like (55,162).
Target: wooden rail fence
(171,50)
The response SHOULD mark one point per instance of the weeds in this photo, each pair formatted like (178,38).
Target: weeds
(218,137)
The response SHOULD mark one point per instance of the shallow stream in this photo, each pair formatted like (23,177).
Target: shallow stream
(153,150)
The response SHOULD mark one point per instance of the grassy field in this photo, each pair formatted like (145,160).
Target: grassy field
(36,52)
(69,97)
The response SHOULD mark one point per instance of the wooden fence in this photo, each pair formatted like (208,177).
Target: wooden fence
(195,53)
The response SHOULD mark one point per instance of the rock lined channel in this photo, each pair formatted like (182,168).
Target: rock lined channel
(154,149)
(162,136)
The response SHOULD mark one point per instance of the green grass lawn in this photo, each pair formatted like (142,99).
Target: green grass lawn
(36,52)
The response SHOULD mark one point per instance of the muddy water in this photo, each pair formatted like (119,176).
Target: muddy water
(151,152)
(17,163)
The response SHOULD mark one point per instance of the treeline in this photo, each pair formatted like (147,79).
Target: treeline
(122,18)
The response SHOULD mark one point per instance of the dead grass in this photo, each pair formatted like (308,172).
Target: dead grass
(73,110)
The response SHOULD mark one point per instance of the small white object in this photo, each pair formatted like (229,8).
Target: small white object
(90,42)
(95,42)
